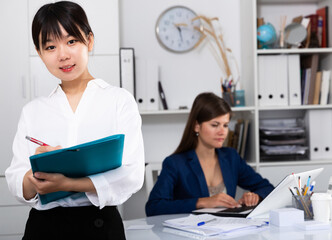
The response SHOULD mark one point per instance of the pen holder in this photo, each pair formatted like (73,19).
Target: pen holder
(234,99)
(303,203)
(229,97)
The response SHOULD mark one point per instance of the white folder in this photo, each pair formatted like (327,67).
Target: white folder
(325,87)
(294,80)
(306,83)
(147,95)
(272,80)
(127,69)
(152,85)
(141,91)
(319,125)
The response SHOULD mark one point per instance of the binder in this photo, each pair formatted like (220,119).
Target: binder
(147,85)
(325,87)
(317,87)
(323,12)
(244,138)
(294,80)
(272,80)
(152,85)
(318,123)
(79,161)
(127,70)
(310,62)
(141,91)
(305,97)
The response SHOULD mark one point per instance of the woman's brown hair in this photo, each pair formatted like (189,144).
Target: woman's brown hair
(206,106)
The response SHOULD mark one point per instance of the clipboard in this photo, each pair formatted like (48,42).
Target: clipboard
(79,161)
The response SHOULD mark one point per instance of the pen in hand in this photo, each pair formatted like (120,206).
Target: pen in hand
(205,222)
(36,141)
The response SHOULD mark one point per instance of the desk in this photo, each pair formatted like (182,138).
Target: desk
(272,233)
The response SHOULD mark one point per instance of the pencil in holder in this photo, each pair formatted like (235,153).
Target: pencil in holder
(303,203)
(229,97)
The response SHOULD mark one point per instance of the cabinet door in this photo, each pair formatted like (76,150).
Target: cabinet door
(42,81)
(103,16)
(13,220)
(14,67)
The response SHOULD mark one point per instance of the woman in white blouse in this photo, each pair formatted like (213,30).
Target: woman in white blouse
(80,109)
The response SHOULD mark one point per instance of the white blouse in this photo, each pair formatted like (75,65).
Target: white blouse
(103,110)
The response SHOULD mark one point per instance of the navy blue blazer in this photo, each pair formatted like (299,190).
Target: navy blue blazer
(182,181)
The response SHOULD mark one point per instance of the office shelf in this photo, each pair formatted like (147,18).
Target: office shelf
(293,51)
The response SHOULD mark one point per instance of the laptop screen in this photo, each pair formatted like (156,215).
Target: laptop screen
(281,197)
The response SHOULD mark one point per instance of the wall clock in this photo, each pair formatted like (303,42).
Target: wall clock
(175,29)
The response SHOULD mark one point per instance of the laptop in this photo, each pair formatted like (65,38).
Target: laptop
(280,197)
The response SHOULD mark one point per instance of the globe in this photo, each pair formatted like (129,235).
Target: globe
(266,35)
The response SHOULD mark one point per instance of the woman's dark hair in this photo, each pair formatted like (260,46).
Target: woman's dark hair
(206,106)
(49,17)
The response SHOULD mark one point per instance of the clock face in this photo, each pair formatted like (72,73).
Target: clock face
(175,29)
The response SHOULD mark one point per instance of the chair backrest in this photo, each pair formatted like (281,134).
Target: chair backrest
(152,171)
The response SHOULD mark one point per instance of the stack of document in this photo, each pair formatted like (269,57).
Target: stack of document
(210,225)
(283,139)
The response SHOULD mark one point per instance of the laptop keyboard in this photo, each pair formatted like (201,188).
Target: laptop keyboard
(243,208)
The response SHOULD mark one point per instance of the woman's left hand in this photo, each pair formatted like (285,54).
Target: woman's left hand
(249,199)
(49,182)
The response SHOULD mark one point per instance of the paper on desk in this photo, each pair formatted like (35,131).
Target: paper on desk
(221,225)
(214,237)
(140,227)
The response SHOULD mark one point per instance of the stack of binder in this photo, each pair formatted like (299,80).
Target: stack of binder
(279,80)
(319,124)
(283,139)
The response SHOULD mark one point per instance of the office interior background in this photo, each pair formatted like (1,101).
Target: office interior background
(131,24)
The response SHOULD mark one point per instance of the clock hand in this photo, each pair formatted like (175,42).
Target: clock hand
(179,29)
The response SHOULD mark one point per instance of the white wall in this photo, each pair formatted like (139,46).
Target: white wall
(183,75)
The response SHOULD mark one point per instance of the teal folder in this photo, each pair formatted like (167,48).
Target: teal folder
(79,161)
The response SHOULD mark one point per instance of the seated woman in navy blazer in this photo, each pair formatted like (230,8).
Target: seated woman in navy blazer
(201,173)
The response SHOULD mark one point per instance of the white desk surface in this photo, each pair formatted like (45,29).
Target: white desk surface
(272,232)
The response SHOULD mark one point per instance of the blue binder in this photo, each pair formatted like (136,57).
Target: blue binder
(79,161)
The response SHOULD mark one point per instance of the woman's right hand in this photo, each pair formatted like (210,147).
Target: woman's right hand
(43,149)
(218,200)
(29,189)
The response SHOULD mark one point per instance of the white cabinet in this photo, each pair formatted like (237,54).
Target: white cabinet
(14,69)
(13,214)
(14,93)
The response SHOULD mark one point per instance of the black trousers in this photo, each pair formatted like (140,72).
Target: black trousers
(75,223)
